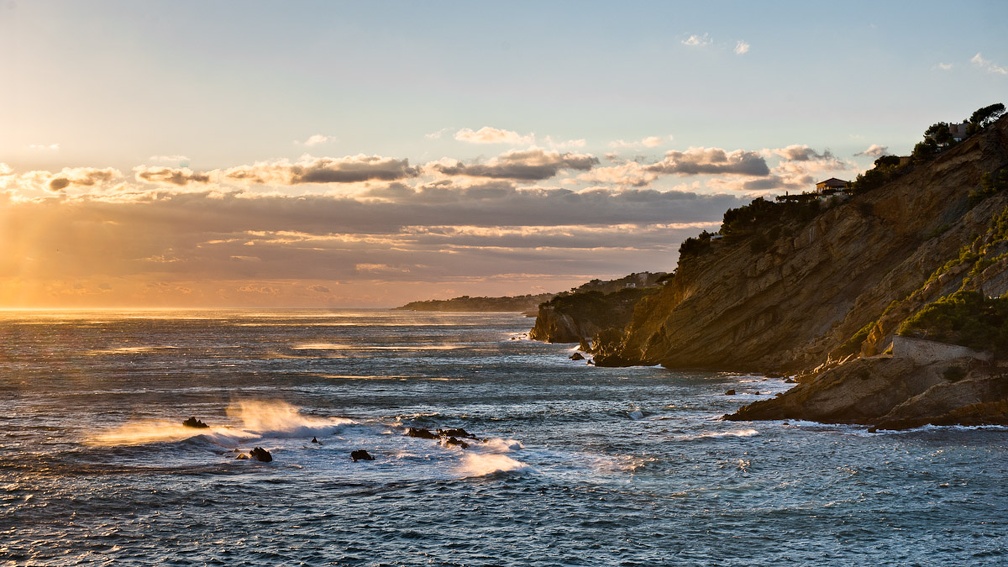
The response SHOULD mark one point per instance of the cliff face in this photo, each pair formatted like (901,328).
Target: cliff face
(792,304)
(577,318)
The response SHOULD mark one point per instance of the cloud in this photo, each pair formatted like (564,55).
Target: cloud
(630,174)
(169,158)
(81,177)
(488,135)
(741,48)
(989,66)
(317,139)
(348,169)
(698,40)
(437,135)
(648,142)
(180,177)
(713,161)
(563,144)
(534,164)
(44,147)
(945,66)
(798,152)
(875,151)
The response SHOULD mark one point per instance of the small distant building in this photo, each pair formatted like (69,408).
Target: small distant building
(831,186)
(958,131)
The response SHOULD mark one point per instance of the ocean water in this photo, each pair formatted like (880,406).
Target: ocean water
(572,464)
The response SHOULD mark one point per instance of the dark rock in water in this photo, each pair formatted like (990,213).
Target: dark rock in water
(261,454)
(361,455)
(420,433)
(195,423)
(454,442)
(458,432)
(577,356)
(242,457)
(314,439)
(730,393)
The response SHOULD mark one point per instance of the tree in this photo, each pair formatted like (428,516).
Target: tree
(940,133)
(984,117)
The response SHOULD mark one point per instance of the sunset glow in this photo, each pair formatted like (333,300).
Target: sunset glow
(369,154)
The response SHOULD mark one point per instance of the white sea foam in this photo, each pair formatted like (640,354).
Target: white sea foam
(719,434)
(475,464)
(498,445)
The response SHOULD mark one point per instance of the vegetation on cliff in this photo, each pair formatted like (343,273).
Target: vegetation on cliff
(967,318)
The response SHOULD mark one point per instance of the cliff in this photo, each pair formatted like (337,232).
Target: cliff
(820,288)
(806,291)
(595,307)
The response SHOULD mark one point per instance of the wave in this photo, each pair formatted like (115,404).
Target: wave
(719,434)
(255,419)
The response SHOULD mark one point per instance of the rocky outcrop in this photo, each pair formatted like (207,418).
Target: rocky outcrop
(893,393)
(261,455)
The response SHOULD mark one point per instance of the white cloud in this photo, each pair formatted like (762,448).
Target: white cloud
(987,65)
(489,135)
(648,142)
(944,66)
(698,40)
(741,48)
(44,147)
(169,159)
(874,150)
(437,135)
(317,139)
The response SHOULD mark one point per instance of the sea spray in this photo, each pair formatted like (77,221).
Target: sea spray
(476,464)
(277,418)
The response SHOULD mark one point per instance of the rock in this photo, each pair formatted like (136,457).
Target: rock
(261,454)
(314,439)
(890,393)
(454,442)
(361,455)
(730,393)
(420,433)
(194,423)
(242,457)
(577,356)
(457,432)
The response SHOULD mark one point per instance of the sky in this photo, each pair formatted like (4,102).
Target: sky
(370,153)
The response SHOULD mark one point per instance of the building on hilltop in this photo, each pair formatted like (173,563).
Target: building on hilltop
(831,186)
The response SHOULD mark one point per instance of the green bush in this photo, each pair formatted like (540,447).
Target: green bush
(966,318)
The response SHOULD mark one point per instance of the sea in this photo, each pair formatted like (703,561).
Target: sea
(559,462)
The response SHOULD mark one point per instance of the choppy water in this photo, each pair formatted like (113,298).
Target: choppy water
(580,465)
